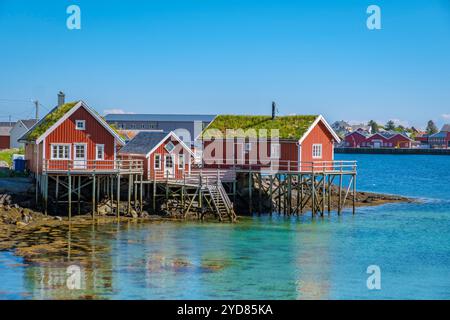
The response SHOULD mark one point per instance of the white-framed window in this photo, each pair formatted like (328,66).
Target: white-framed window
(169,146)
(181,161)
(248,147)
(60,151)
(157,162)
(80,124)
(100,152)
(317,151)
(275,150)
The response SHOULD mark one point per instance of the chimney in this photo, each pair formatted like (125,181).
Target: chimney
(61,98)
(274,107)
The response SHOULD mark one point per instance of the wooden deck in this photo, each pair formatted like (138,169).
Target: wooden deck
(88,167)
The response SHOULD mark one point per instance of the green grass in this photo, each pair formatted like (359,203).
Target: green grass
(6,155)
(290,127)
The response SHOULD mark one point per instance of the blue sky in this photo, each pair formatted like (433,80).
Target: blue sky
(228,56)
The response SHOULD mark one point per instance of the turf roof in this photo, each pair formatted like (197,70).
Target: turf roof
(290,127)
(50,119)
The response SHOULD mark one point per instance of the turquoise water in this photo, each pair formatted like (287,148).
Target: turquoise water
(266,257)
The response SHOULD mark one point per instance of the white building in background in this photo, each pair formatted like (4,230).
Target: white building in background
(18,130)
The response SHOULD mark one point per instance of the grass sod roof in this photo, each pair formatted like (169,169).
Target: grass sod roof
(290,127)
(51,118)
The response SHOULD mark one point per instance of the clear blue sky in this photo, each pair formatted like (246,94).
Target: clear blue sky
(229,56)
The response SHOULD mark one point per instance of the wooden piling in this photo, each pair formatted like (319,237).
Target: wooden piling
(70,196)
(118,195)
(93,196)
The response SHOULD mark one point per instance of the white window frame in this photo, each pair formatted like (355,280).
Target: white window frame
(53,145)
(80,122)
(97,149)
(275,149)
(159,162)
(317,151)
(248,147)
(181,162)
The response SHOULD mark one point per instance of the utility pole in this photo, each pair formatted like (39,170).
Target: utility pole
(36,103)
(10,121)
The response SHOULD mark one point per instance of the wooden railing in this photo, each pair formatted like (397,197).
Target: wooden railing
(119,166)
(285,166)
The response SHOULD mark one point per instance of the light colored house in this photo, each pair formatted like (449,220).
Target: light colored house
(18,130)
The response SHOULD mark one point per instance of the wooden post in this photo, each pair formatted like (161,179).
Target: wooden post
(135,180)
(140,196)
(279,193)
(70,197)
(324,193)
(154,194)
(57,193)
(313,193)
(45,194)
(301,193)
(340,194)
(130,188)
(289,199)
(118,195)
(271,194)
(329,194)
(297,210)
(250,182)
(354,193)
(260,192)
(79,196)
(93,196)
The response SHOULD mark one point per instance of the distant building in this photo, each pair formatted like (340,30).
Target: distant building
(185,126)
(360,139)
(355,139)
(440,139)
(18,130)
(5,134)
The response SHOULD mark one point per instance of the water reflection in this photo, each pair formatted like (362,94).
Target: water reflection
(57,248)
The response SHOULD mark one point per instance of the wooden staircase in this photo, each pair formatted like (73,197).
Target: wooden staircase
(221,201)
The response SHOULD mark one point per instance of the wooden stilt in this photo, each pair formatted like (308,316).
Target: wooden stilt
(93,196)
(57,194)
(118,195)
(79,195)
(250,187)
(140,195)
(70,197)
(354,193)
(271,193)
(340,195)
(259,193)
(130,188)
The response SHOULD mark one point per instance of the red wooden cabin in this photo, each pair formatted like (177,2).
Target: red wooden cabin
(355,139)
(71,137)
(246,141)
(400,141)
(164,154)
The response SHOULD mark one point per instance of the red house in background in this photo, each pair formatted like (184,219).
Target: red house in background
(355,139)
(5,138)
(301,141)
(71,137)
(378,140)
(164,154)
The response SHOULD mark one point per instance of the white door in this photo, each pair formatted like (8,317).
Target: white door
(377,144)
(169,167)
(79,158)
